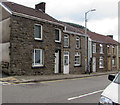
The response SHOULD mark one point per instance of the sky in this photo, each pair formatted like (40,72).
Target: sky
(103,21)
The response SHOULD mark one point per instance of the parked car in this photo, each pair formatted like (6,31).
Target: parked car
(111,95)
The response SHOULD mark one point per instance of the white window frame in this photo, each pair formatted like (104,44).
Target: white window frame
(66,53)
(59,35)
(113,49)
(108,49)
(78,55)
(41,57)
(94,47)
(113,61)
(67,37)
(101,48)
(78,41)
(101,60)
(41,32)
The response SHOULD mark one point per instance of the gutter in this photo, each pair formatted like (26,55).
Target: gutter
(36,18)
(103,42)
(75,33)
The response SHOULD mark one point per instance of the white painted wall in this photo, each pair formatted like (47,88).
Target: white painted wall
(4,35)
(4,50)
(89,49)
(4,26)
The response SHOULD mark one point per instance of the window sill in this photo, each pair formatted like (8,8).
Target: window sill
(37,66)
(77,48)
(57,41)
(66,47)
(39,39)
(101,67)
(77,65)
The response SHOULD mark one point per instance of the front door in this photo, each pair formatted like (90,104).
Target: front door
(109,63)
(94,64)
(119,62)
(56,62)
(66,62)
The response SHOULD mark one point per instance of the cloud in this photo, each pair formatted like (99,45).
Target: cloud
(102,21)
(107,26)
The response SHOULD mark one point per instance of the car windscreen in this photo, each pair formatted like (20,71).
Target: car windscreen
(117,79)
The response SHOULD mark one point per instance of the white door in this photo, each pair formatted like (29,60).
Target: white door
(66,63)
(94,64)
(57,62)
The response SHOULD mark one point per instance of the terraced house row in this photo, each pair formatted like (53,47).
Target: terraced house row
(34,43)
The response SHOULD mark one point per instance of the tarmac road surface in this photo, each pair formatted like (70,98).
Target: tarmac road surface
(81,90)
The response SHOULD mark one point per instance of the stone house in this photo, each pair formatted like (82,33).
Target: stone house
(34,43)
(73,50)
(104,52)
(31,40)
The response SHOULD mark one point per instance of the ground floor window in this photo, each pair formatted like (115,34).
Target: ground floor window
(113,61)
(77,59)
(101,62)
(37,57)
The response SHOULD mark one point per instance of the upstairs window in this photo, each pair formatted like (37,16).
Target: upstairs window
(77,42)
(101,49)
(108,48)
(38,58)
(38,32)
(113,49)
(77,59)
(101,62)
(57,35)
(66,41)
(94,47)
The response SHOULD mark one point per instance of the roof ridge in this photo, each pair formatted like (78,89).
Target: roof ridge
(25,10)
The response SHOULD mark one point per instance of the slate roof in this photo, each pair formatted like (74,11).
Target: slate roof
(94,36)
(14,7)
(39,14)
(101,38)
(71,28)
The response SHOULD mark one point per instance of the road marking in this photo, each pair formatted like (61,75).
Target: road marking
(72,98)
(4,83)
(24,84)
(69,79)
(52,81)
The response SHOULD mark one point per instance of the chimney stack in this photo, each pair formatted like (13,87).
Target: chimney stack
(40,6)
(111,36)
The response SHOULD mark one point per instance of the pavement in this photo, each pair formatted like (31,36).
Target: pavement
(40,78)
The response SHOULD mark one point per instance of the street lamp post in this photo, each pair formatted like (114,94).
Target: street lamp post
(86,41)
(86,19)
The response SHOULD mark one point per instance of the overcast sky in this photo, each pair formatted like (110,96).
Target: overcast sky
(103,21)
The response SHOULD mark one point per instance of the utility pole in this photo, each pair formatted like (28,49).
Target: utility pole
(86,41)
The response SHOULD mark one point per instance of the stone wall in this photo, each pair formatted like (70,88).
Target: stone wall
(105,55)
(22,44)
(72,50)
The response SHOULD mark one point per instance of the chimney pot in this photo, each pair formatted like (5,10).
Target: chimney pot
(111,36)
(40,6)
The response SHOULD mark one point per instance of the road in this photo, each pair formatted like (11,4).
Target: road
(82,90)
